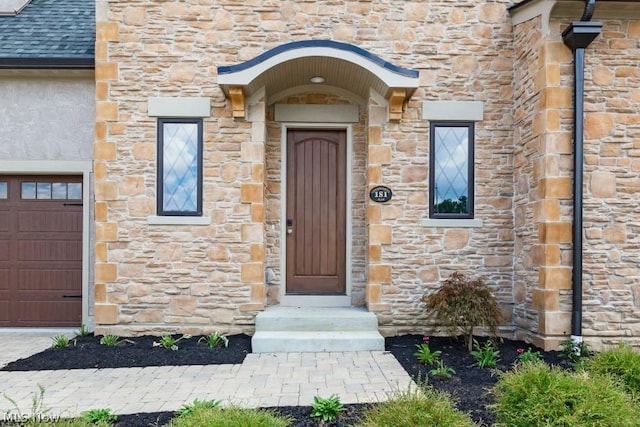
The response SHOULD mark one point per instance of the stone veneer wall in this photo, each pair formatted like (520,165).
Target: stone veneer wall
(197,278)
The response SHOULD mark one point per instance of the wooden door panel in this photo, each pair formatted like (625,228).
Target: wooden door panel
(316,203)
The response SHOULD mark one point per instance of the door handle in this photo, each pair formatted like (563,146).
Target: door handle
(289,231)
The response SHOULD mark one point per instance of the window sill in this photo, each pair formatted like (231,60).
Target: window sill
(178,220)
(451,223)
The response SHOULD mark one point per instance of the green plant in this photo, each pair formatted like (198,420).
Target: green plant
(528,355)
(197,405)
(99,416)
(463,304)
(622,363)
(113,340)
(441,370)
(215,339)
(486,356)
(534,394)
(62,341)
(425,355)
(229,417)
(168,341)
(574,352)
(417,406)
(83,331)
(327,408)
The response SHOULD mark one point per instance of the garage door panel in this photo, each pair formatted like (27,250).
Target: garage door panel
(4,221)
(53,313)
(47,250)
(50,222)
(4,312)
(46,280)
(4,250)
(4,279)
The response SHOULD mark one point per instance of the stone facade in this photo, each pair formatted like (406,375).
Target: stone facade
(198,278)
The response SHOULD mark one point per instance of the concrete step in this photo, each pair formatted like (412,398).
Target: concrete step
(316,341)
(315,329)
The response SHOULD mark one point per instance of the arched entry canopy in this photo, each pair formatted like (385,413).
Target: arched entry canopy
(347,70)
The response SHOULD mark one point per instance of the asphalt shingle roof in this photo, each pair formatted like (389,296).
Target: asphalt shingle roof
(50,29)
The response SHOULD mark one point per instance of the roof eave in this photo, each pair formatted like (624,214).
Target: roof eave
(47,63)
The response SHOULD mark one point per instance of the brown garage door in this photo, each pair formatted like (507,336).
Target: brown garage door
(40,251)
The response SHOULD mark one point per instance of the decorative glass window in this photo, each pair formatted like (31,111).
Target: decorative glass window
(180,167)
(51,190)
(451,170)
(3,190)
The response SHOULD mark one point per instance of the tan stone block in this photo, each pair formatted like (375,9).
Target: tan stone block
(545,299)
(616,233)
(379,155)
(135,16)
(491,13)
(634,30)
(429,274)
(126,269)
(100,212)
(252,272)
(144,151)
(167,252)
(104,151)
(182,305)
(257,172)
(106,273)
(554,278)
(555,232)
(132,185)
(552,74)
(555,188)
(555,323)
(380,234)
(456,238)
(626,71)
(116,128)
(373,293)
(598,125)
(375,253)
(100,293)
(100,131)
(106,71)
(252,233)
(106,110)
(257,212)
(412,173)
(374,175)
(252,152)
(219,252)
(252,307)
(374,214)
(107,31)
(139,290)
(609,149)
(374,135)
(101,252)
(150,316)
(557,52)
(257,253)
(602,184)
(101,51)
(551,255)
(251,193)
(106,232)
(557,97)
(498,261)
(546,210)
(106,191)
(464,65)
(182,72)
(258,292)
(105,314)
(229,171)
(603,76)
(380,273)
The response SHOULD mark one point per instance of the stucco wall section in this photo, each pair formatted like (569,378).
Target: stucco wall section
(46,118)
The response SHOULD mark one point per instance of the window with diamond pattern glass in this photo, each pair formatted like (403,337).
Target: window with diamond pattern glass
(181,151)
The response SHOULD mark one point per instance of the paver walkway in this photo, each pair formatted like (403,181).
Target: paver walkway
(265,379)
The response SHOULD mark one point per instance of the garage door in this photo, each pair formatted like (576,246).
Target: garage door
(40,251)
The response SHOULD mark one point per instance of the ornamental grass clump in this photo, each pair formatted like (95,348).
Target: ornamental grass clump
(623,364)
(230,416)
(536,395)
(463,304)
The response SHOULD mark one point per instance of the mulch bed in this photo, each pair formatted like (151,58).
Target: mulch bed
(470,386)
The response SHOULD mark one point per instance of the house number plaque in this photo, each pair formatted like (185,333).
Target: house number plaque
(380,194)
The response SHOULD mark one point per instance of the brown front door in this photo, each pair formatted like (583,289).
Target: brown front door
(316,211)
(40,251)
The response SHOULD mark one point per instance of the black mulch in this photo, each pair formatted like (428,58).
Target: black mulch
(470,386)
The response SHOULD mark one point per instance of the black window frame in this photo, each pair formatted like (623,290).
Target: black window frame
(470,172)
(160,167)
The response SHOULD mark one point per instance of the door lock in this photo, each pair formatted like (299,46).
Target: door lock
(289,231)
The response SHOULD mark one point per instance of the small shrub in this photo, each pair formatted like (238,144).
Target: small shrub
(197,405)
(327,409)
(486,356)
(113,340)
(83,331)
(169,342)
(99,416)
(229,417)
(442,371)
(622,363)
(425,355)
(528,356)
(463,304)
(536,395)
(421,406)
(62,341)
(215,339)
(575,353)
